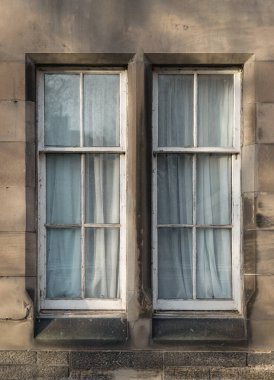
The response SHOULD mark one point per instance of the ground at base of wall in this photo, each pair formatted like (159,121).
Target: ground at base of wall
(134,365)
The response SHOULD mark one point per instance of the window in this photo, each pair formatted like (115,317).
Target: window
(82,186)
(196,190)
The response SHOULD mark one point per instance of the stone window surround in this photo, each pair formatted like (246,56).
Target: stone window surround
(163,327)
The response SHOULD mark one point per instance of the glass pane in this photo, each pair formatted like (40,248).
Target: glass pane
(174,263)
(102,263)
(63,263)
(102,188)
(215,110)
(102,110)
(213,189)
(175,113)
(62,110)
(63,187)
(214,263)
(174,185)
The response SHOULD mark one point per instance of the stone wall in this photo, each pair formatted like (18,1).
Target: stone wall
(140,34)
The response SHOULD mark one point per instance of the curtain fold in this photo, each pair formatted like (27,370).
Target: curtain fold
(102,206)
(213,187)
(63,207)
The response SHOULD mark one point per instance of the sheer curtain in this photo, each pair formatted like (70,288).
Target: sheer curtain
(102,244)
(102,128)
(213,187)
(174,186)
(63,207)
(63,186)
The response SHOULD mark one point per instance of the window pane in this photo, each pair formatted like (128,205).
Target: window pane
(175,106)
(63,188)
(63,263)
(215,110)
(102,188)
(102,110)
(175,263)
(214,263)
(174,177)
(213,189)
(62,110)
(102,263)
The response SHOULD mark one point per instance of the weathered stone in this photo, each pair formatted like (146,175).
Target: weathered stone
(15,302)
(12,81)
(262,305)
(261,334)
(249,286)
(265,119)
(248,168)
(264,252)
(17,357)
(260,358)
(12,164)
(86,331)
(12,121)
(115,360)
(20,372)
(265,161)
(241,374)
(54,372)
(248,210)
(264,208)
(13,209)
(30,126)
(16,334)
(186,374)
(264,82)
(52,358)
(249,248)
(140,332)
(249,82)
(195,328)
(249,124)
(18,254)
(204,359)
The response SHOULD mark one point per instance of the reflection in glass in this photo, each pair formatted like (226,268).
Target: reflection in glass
(175,110)
(101,110)
(63,188)
(63,263)
(214,263)
(175,263)
(102,263)
(215,110)
(213,189)
(62,110)
(174,180)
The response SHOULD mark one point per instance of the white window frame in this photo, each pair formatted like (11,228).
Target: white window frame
(84,303)
(201,305)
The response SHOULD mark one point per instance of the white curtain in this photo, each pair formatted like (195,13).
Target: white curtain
(102,244)
(213,208)
(63,207)
(213,182)
(174,179)
(63,189)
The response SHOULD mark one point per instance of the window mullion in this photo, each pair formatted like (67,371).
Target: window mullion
(82,191)
(194,250)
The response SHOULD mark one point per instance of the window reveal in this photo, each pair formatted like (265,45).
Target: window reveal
(82,189)
(196,190)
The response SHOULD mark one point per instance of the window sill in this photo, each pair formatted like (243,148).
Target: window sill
(80,331)
(175,327)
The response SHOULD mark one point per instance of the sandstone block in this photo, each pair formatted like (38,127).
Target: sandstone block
(18,254)
(12,81)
